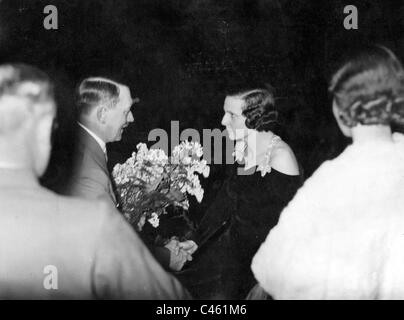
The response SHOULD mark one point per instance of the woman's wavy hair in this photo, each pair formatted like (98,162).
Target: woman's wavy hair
(369,88)
(259,108)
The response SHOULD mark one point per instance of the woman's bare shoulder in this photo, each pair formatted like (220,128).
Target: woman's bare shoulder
(284,160)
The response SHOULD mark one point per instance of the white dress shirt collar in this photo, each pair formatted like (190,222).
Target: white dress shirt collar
(97,138)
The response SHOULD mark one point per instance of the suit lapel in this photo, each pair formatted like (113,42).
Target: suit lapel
(90,146)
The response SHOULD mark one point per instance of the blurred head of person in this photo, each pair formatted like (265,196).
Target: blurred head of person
(249,109)
(27,111)
(368,92)
(104,107)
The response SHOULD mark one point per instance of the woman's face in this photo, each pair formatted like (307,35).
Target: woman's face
(346,131)
(233,119)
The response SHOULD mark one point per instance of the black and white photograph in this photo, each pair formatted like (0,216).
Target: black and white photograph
(202,150)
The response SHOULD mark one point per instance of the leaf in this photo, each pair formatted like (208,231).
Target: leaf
(175,195)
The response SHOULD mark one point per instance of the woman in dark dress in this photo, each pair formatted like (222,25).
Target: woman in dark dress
(249,202)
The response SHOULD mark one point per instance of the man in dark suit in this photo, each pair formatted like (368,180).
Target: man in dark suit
(105,110)
(104,107)
(55,247)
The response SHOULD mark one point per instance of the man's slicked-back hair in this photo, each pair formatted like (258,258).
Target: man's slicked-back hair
(95,91)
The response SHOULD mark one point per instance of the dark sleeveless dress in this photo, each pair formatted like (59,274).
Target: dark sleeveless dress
(231,231)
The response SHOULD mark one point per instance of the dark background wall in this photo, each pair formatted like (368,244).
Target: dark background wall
(179,56)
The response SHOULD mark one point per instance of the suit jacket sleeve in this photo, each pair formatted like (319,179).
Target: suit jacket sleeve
(124,269)
(90,177)
(91,184)
(160,253)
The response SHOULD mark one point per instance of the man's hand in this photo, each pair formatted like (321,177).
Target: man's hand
(189,246)
(180,253)
(177,261)
(173,245)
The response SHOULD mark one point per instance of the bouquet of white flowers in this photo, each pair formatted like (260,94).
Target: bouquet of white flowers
(149,181)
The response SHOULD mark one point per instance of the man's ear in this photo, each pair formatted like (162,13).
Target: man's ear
(102,114)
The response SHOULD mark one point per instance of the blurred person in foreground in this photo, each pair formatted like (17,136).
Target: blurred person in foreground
(55,247)
(341,237)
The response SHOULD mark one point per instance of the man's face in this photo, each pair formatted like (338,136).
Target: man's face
(233,119)
(119,117)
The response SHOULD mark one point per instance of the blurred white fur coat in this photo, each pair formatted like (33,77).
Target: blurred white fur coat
(342,236)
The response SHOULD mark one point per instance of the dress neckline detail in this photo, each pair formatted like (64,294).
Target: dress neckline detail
(265,165)
(249,162)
